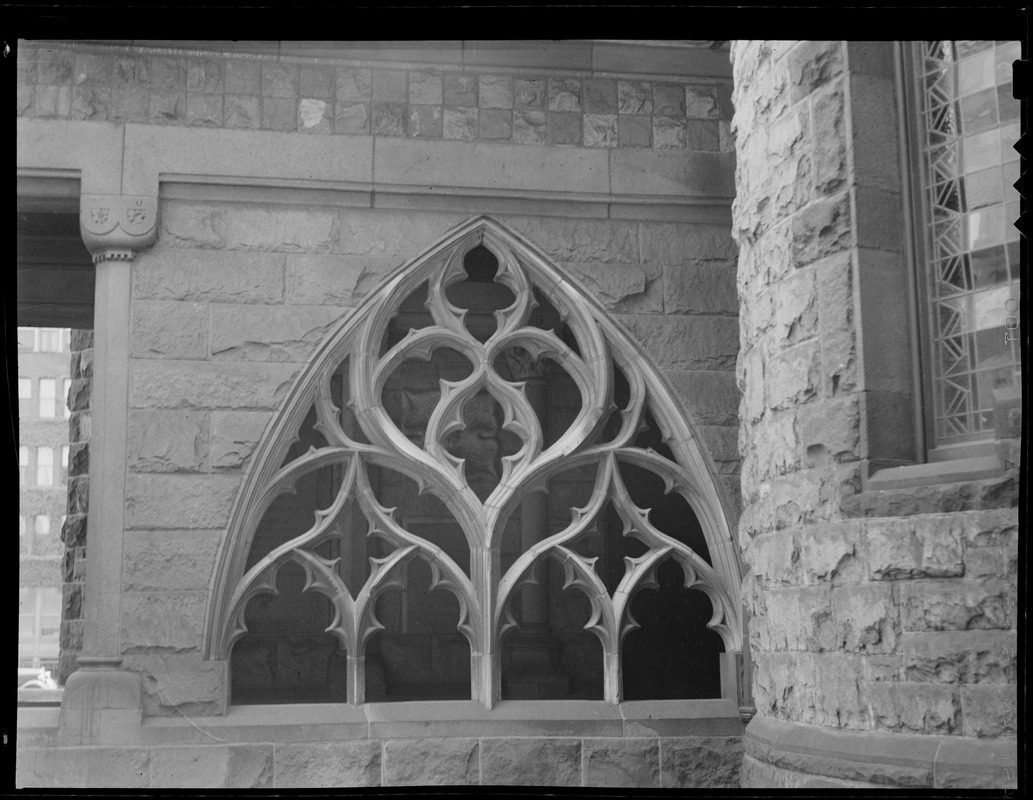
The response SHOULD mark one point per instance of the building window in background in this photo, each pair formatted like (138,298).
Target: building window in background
(47,398)
(44,466)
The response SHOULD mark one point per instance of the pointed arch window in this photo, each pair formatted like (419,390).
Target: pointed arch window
(478,489)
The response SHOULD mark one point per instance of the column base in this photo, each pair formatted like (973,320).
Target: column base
(102,703)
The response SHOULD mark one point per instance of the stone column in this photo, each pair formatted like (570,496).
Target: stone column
(532,672)
(101,702)
(879,619)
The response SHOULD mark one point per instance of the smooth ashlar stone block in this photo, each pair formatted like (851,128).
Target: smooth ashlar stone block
(168,330)
(76,767)
(531,761)
(168,441)
(176,560)
(622,762)
(431,762)
(704,762)
(686,343)
(179,501)
(671,243)
(202,384)
(628,288)
(174,274)
(701,287)
(168,620)
(179,683)
(235,435)
(248,766)
(269,333)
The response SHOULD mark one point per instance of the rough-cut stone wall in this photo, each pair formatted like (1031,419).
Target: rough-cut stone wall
(233,299)
(73,534)
(318,96)
(888,612)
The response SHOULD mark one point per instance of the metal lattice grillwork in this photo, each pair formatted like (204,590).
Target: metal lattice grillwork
(970,122)
(356,365)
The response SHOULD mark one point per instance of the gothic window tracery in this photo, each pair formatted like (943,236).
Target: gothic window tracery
(479,490)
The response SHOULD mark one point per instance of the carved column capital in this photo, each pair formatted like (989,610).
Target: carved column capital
(115,227)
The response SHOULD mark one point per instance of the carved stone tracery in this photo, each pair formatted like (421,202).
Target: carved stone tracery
(485,594)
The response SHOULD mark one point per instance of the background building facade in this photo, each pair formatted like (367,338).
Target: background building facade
(713,265)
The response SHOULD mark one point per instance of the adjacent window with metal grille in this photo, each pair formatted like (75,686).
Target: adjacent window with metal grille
(507,503)
(968,124)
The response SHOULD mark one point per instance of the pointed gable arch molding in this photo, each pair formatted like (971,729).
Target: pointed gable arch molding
(483,592)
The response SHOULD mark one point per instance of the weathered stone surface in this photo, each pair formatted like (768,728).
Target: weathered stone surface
(627,288)
(700,287)
(833,553)
(460,123)
(703,762)
(334,280)
(812,64)
(243,77)
(391,233)
(529,127)
(241,111)
(193,384)
(279,80)
(320,765)
(460,89)
(425,121)
(828,689)
(172,274)
(425,88)
(179,683)
(353,84)
(431,762)
(976,656)
(235,435)
(956,605)
(166,620)
(564,128)
(269,333)
(915,707)
(600,130)
(169,329)
(247,766)
(77,767)
(830,158)
(564,94)
(495,123)
(668,133)
(388,119)
(990,528)
(580,241)
(673,243)
(622,762)
(529,93)
(634,97)
(989,711)
(351,118)
(168,561)
(775,558)
(315,115)
(821,229)
(831,431)
(866,618)
(204,110)
(179,501)
(531,762)
(701,102)
(495,91)
(168,441)
(915,547)
(709,395)
(794,619)
(634,131)
(686,342)
(792,376)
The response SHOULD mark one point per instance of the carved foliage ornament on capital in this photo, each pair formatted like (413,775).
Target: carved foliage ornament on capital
(116,227)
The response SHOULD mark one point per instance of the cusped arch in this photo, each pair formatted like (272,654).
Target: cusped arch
(482,595)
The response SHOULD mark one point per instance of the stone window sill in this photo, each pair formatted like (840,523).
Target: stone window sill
(574,718)
(935,472)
